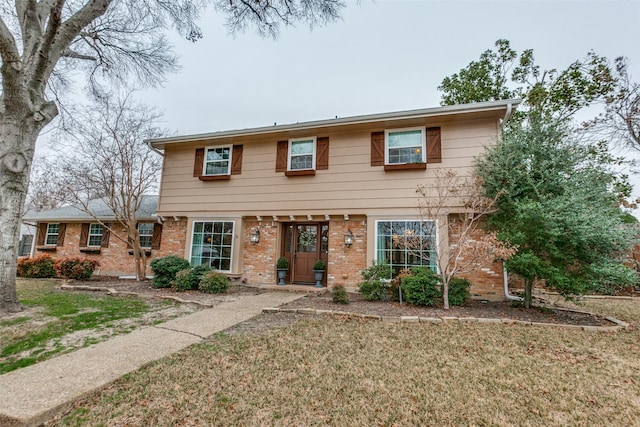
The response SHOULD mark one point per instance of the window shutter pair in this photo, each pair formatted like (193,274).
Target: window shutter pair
(84,235)
(322,154)
(434,147)
(236,161)
(42,234)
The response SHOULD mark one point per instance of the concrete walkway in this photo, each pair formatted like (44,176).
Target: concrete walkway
(32,395)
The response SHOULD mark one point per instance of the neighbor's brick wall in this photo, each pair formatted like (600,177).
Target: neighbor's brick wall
(115,259)
(345,264)
(259,261)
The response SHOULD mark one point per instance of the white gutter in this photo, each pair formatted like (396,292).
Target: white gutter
(505,280)
(148,142)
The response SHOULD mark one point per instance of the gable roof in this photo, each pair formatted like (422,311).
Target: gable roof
(148,211)
(497,107)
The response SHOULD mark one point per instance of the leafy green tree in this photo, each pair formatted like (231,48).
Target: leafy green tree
(558,201)
(503,74)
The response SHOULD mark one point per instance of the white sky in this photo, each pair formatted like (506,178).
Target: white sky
(382,56)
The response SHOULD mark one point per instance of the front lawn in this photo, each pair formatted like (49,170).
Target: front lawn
(57,321)
(332,371)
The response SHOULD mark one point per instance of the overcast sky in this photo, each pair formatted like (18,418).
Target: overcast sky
(381,56)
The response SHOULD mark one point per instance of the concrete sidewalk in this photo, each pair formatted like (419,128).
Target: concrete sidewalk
(33,395)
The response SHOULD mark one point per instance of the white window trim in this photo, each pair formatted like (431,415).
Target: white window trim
(90,235)
(233,240)
(204,163)
(140,235)
(386,143)
(313,160)
(46,236)
(437,237)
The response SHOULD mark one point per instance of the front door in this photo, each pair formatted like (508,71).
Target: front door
(303,245)
(306,252)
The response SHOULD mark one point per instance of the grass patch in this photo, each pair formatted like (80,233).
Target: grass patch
(60,314)
(331,371)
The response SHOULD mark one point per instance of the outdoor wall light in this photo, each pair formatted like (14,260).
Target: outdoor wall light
(348,239)
(254,237)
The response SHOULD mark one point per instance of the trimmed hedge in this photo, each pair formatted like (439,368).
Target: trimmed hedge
(38,267)
(165,269)
(75,268)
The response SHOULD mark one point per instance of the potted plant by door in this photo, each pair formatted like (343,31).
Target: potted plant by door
(318,271)
(282,265)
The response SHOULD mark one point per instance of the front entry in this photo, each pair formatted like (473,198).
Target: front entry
(304,245)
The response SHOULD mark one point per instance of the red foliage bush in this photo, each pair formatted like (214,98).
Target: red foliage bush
(37,267)
(75,268)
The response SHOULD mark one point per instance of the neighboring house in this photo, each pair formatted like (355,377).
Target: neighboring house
(69,232)
(337,190)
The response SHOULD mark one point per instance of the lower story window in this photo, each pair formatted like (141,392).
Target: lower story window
(212,244)
(145,230)
(404,244)
(95,235)
(52,234)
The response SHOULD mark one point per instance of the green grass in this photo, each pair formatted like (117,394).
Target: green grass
(62,313)
(331,371)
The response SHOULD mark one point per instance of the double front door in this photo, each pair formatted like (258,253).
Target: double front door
(303,245)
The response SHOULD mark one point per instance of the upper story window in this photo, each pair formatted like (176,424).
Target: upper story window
(95,235)
(302,154)
(404,146)
(406,149)
(145,230)
(52,234)
(218,161)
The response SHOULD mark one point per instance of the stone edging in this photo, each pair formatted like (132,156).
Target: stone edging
(111,291)
(416,319)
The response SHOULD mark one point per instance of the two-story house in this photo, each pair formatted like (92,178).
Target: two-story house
(336,190)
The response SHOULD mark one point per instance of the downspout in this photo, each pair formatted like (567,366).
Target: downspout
(508,114)
(505,280)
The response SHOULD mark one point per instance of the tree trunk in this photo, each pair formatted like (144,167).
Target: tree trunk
(528,292)
(445,294)
(17,142)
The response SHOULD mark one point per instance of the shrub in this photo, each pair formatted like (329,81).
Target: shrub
(610,278)
(282,263)
(189,278)
(165,269)
(459,291)
(75,268)
(37,267)
(319,265)
(339,295)
(422,287)
(375,286)
(214,283)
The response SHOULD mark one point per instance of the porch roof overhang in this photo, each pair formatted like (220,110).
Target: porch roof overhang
(501,109)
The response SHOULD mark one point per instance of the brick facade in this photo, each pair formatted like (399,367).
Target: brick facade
(115,259)
(343,264)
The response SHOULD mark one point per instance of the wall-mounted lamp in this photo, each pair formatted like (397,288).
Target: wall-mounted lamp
(348,239)
(254,237)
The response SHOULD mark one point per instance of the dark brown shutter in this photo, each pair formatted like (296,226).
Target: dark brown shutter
(198,165)
(377,148)
(157,236)
(61,230)
(104,242)
(236,160)
(434,146)
(322,153)
(84,234)
(42,233)
(282,155)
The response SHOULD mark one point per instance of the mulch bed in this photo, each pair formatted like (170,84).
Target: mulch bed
(357,304)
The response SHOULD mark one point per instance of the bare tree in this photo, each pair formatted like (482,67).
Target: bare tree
(45,44)
(107,159)
(458,207)
(46,189)
(620,122)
